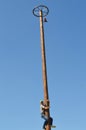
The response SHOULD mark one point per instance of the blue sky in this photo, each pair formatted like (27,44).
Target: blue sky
(21,85)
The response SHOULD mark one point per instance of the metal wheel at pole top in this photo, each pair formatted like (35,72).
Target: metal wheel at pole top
(42,8)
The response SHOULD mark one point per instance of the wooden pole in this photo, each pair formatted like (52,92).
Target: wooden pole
(44,69)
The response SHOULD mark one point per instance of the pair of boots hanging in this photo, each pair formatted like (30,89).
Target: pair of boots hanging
(45,20)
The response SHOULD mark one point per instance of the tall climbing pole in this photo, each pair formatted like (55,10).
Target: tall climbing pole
(41,11)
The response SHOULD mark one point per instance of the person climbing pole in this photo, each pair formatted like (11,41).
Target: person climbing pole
(47,121)
(43,108)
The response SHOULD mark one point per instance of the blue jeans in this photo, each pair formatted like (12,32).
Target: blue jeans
(46,120)
(44,116)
